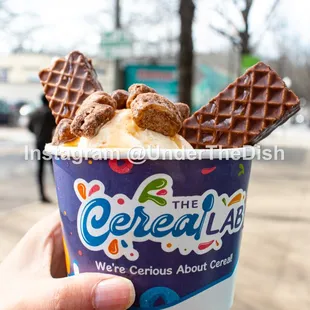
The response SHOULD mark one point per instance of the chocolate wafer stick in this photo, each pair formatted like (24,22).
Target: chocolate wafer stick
(67,83)
(246,112)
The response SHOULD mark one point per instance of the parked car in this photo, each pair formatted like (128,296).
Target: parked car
(24,113)
(5,114)
(14,111)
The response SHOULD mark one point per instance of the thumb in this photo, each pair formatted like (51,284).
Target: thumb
(90,291)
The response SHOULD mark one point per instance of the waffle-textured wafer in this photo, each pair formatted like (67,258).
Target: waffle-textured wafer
(246,112)
(67,83)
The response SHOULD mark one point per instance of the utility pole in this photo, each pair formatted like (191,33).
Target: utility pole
(118,77)
(186,55)
(117,14)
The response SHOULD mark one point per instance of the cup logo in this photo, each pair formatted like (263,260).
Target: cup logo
(183,223)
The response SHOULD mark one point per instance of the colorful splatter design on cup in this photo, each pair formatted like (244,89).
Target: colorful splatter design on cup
(172,227)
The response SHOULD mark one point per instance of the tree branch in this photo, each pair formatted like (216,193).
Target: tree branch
(267,22)
(245,14)
(274,6)
(226,18)
(231,38)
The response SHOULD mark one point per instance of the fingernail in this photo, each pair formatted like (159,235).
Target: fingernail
(114,294)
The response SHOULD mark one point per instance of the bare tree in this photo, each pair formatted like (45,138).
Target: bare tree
(299,72)
(294,63)
(6,15)
(17,37)
(138,21)
(166,44)
(186,55)
(240,36)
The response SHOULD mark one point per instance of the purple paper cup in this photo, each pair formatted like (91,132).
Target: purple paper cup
(172,226)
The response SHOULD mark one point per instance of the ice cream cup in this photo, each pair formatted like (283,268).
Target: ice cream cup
(169,223)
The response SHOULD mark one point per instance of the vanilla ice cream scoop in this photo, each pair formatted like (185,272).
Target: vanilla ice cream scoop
(122,132)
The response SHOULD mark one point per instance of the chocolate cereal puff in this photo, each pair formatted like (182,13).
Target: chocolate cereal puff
(183,109)
(63,133)
(95,111)
(121,97)
(101,97)
(157,113)
(137,89)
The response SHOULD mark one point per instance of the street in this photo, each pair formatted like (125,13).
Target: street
(17,177)
(274,268)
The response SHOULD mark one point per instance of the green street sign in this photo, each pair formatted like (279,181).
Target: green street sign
(115,38)
(248,61)
(116,44)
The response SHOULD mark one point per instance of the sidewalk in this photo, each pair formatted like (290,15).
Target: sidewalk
(289,136)
(274,269)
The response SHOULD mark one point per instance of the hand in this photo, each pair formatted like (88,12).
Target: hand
(33,277)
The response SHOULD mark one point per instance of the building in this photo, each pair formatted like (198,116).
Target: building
(19,75)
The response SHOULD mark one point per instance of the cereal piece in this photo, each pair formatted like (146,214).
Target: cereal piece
(157,113)
(121,97)
(95,111)
(183,109)
(137,89)
(63,133)
(101,97)
(90,118)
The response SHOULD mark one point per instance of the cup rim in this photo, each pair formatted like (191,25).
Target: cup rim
(137,153)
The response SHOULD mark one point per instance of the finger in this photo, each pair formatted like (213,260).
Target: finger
(41,231)
(90,291)
(39,241)
(45,226)
(58,260)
